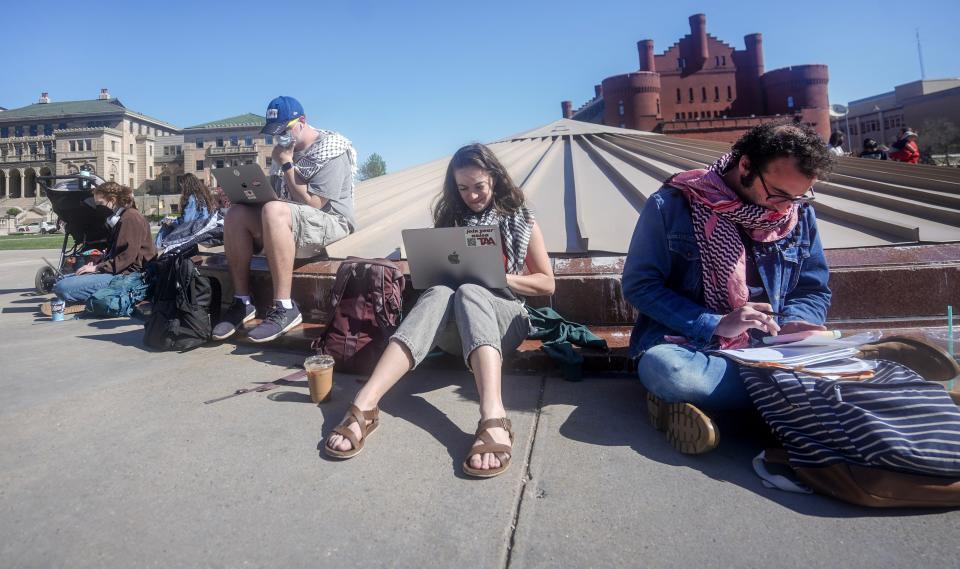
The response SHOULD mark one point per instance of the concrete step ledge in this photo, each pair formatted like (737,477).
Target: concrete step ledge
(528,357)
(905,283)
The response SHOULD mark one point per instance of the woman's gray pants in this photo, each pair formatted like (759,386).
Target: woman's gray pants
(460,321)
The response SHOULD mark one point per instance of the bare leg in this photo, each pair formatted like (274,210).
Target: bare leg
(420,330)
(241,230)
(393,364)
(486,363)
(278,246)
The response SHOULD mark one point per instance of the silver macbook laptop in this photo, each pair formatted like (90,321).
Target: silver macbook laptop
(453,256)
(246,183)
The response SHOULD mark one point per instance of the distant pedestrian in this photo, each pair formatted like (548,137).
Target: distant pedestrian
(905,149)
(872,150)
(836,144)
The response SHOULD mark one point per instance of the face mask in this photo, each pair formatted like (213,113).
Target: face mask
(286,140)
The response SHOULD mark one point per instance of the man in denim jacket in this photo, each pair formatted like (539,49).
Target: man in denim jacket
(718,255)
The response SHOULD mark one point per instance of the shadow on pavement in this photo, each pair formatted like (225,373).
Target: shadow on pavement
(113,323)
(615,415)
(28,291)
(19,310)
(403,402)
(289,359)
(289,397)
(130,338)
(33,300)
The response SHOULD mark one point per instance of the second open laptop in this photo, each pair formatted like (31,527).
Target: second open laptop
(453,256)
(246,183)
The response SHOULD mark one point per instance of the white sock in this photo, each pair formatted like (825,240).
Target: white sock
(285,302)
(244,299)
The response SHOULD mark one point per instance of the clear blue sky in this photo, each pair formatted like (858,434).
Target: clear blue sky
(415,80)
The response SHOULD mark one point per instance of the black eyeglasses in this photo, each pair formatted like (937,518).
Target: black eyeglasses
(807,196)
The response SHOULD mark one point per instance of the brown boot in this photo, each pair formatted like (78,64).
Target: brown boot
(932,362)
(688,429)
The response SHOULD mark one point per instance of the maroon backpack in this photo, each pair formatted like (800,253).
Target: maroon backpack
(366,306)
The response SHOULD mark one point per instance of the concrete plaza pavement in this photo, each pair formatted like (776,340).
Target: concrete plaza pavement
(110,459)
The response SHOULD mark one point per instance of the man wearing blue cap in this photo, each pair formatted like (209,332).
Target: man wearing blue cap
(313,174)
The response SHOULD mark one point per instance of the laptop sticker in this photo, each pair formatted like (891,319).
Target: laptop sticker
(250,194)
(480,237)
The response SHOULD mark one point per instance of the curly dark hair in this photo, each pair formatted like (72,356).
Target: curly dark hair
(192,186)
(769,141)
(449,208)
(121,194)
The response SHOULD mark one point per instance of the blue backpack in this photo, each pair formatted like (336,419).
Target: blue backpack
(118,298)
(889,441)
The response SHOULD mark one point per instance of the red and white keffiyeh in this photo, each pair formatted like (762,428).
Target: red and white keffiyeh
(717,213)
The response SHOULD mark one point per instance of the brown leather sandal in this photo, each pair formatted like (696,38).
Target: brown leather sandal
(354,415)
(47,310)
(488,445)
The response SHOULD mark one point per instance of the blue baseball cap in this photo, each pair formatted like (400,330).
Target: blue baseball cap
(280,111)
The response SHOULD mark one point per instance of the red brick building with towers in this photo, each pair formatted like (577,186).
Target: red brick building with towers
(701,87)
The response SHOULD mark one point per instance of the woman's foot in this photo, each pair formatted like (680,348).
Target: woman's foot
(492,448)
(348,438)
(336,441)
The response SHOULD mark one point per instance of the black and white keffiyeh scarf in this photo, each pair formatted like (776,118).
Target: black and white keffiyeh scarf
(515,230)
(328,146)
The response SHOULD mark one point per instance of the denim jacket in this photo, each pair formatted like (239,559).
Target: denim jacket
(661,275)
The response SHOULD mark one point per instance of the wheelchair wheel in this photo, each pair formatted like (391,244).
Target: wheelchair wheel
(45,279)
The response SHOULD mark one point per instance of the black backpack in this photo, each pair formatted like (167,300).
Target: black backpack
(185,304)
(366,308)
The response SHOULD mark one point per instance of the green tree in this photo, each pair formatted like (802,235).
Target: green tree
(13,212)
(939,134)
(372,167)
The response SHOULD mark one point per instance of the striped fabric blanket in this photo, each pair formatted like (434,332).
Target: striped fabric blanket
(896,420)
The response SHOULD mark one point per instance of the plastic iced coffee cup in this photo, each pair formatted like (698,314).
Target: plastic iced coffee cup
(319,376)
(56,310)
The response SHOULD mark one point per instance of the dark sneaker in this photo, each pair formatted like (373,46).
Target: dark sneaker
(238,314)
(279,321)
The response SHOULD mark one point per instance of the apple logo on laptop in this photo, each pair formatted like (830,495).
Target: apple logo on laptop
(454,258)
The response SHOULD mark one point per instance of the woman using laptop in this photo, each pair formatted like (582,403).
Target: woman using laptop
(480,323)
